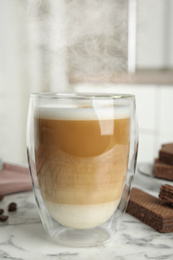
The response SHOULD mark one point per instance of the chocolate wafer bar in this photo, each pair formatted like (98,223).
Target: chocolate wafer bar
(166,194)
(166,153)
(162,170)
(151,211)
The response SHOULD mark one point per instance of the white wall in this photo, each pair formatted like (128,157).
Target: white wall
(154,34)
(13,86)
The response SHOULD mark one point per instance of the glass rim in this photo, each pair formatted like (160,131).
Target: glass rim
(81,96)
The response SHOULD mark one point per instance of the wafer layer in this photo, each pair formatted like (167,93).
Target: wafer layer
(151,211)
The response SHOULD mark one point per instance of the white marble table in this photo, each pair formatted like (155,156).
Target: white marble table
(23,237)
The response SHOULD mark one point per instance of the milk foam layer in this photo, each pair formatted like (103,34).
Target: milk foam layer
(82,113)
(81,216)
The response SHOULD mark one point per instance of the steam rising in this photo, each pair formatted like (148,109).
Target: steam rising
(97,36)
(77,39)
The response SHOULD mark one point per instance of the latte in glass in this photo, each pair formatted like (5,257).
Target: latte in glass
(81,162)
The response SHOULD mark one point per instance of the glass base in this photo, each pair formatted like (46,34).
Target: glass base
(81,237)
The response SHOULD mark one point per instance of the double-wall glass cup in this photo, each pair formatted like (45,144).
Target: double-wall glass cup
(82,151)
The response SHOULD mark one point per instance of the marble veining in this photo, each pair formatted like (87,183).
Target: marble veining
(23,237)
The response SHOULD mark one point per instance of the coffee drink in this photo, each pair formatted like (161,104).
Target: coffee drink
(81,159)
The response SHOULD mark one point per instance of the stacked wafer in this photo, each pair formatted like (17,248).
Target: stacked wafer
(163,166)
(166,194)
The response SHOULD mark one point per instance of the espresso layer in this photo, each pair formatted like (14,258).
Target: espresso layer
(88,138)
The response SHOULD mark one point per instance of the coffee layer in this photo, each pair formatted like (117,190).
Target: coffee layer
(82,180)
(82,163)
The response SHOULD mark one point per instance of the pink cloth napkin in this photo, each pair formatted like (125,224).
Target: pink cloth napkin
(14,178)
